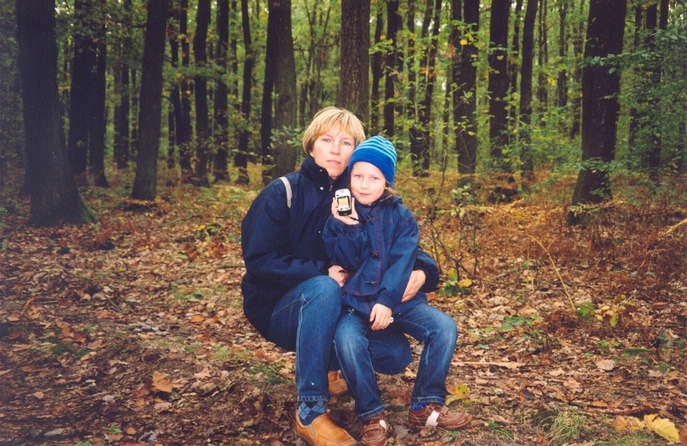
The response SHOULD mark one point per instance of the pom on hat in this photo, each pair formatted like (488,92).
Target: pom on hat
(379,152)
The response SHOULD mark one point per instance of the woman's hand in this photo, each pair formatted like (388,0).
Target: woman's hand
(380,317)
(351,219)
(339,274)
(417,279)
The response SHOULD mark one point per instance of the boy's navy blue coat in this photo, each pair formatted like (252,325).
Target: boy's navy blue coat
(379,253)
(283,247)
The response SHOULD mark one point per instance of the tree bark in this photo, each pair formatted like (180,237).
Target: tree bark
(498,84)
(600,88)
(98,120)
(526,156)
(203,16)
(285,107)
(354,77)
(465,96)
(55,198)
(83,66)
(121,115)
(145,182)
(377,71)
(221,132)
(393,62)
(241,157)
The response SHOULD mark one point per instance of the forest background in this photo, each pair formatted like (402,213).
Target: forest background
(157,123)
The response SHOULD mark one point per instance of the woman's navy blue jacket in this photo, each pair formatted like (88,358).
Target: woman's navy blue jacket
(283,247)
(379,254)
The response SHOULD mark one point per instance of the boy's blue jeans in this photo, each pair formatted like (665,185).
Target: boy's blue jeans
(305,320)
(425,323)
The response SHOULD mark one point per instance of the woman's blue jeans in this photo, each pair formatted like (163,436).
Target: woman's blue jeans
(305,320)
(425,323)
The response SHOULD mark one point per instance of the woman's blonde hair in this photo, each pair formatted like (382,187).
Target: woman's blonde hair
(327,118)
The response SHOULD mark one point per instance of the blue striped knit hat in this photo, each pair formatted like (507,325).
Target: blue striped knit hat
(379,152)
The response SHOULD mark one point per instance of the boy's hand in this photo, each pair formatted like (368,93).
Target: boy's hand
(351,219)
(380,317)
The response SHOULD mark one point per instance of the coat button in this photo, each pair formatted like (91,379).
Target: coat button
(374,254)
(371,282)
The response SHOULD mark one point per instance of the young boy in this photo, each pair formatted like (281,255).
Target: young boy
(376,244)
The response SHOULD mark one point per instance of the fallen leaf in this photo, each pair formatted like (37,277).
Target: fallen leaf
(40,395)
(661,426)
(622,423)
(572,384)
(606,364)
(161,383)
(461,392)
(599,403)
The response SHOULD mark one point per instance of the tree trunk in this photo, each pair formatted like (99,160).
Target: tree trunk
(121,115)
(465,96)
(420,134)
(562,85)
(393,62)
(98,121)
(377,71)
(498,84)
(600,89)
(514,62)
(150,113)
(83,65)
(221,132)
(543,59)
(54,195)
(241,157)
(577,39)
(526,156)
(203,16)
(285,108)
(354,77)
(184,127)
(266,112)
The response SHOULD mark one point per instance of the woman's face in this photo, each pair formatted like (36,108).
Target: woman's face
(332,150)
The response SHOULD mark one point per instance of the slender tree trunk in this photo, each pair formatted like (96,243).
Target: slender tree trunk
(203,16)
(393,62)
(498,84)
(150,114)
(354,77)
(83,66)
(377,71)
(465,96)
(514,62)
(285,109)
(184,126)
(562,84)
(98,121)
(267,112)
(121,115)
(543,57)
(221,132)
(54,195)
(526,156)
(600,89)
(241,157)
(577,39)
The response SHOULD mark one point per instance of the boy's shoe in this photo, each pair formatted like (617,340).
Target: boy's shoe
(337,384)
(436,415)
(323,432)
(373,431)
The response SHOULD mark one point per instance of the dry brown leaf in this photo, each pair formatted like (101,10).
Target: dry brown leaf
(161,383)
(622,423)
(606,364)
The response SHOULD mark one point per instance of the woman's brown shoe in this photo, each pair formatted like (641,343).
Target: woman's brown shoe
(436,415)
(373,431)
(323,432)
(337,384)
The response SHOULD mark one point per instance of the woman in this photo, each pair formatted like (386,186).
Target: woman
(292,294)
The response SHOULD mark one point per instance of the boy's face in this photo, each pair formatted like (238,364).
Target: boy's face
(367,182)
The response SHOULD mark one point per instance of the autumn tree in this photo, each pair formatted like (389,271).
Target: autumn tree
(241,155)
(285,93)
(55,198)
(600,88)
(221,121)
(200,174)
(145,182)
(354,62)
(498,84)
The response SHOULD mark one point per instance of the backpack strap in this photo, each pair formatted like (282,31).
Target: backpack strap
(287,186)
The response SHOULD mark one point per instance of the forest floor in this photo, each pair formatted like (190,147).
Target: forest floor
(130,331)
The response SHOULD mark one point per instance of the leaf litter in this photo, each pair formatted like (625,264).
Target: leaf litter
(130,331)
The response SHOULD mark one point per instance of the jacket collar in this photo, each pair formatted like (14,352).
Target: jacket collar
(319,175)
